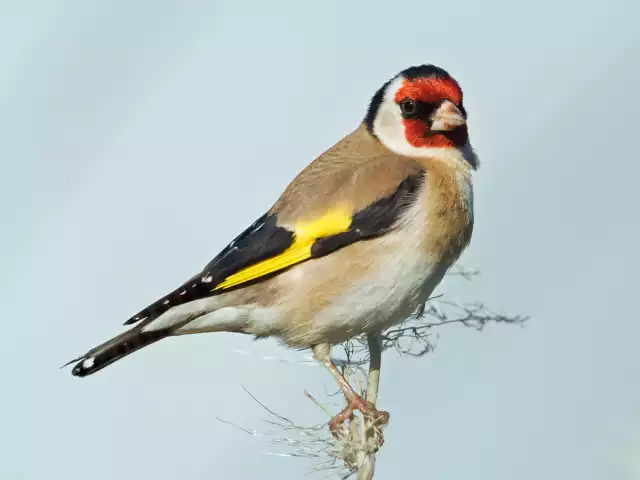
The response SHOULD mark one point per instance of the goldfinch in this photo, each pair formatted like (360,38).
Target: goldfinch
(355,244)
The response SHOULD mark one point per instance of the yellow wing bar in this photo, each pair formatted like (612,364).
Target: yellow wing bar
(306,233)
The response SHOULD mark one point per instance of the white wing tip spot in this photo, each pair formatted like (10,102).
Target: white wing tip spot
(207,279)
(88,363)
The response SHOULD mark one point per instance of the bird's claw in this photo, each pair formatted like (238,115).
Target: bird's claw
(379,417)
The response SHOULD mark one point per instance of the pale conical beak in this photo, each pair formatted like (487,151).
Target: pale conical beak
(446,117)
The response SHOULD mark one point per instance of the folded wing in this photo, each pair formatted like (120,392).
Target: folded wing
(267,247)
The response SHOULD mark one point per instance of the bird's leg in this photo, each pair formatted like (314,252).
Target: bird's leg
(354,401)
(374,341)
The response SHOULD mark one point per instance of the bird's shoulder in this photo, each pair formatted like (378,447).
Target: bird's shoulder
(351,175)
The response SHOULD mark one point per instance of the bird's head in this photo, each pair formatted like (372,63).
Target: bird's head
(419,112)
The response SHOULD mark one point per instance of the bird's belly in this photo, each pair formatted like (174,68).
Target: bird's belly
(383,294)
(375,303)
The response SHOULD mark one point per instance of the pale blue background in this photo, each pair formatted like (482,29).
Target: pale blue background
(137,138)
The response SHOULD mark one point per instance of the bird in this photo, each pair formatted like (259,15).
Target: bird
(355,244)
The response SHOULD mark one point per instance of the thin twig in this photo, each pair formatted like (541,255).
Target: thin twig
(318,404)
(367,460)
(284,419)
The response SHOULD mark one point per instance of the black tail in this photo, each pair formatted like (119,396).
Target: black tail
(118,347)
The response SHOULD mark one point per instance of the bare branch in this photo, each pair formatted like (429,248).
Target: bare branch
(367,458)
(413,337)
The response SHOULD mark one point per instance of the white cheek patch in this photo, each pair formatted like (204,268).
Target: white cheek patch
(388,125)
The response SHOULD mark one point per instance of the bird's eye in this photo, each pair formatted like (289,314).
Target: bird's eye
(408,107)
